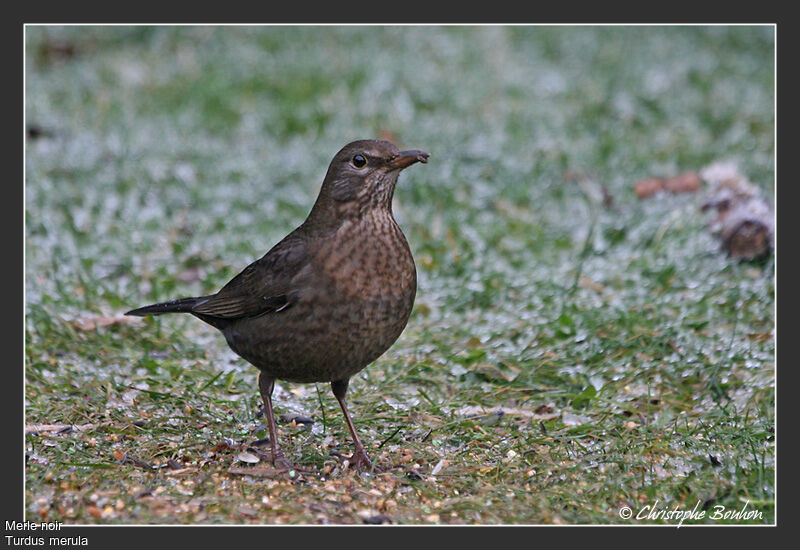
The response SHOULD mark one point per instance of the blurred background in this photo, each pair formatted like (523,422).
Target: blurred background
(160,161)
(224,133)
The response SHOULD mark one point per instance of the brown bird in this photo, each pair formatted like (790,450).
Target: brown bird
(332,296)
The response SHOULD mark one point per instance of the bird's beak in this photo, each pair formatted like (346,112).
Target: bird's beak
(404,159)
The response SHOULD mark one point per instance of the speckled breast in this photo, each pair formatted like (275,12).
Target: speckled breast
(354,305)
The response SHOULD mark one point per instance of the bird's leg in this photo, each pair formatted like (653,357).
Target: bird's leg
(359,460)
(265,386)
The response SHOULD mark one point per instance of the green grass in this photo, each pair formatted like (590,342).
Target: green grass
(624,348)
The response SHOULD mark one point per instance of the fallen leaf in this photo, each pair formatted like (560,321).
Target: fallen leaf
(93,323)
(221,446)
(650,186)
(688,182)
(760,336)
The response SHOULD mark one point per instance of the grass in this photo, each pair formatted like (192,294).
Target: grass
(633,361)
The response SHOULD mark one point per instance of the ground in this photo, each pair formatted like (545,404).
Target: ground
(573,350)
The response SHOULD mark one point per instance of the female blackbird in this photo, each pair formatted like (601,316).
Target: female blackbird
(329,298)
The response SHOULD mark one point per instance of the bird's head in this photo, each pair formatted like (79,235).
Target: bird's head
(362,176)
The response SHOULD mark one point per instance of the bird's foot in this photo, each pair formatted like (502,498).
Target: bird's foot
(280,461)
(360,461)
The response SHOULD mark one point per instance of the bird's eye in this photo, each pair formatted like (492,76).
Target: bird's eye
(359,161)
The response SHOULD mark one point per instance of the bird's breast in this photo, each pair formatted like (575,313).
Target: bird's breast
(357,293)
(369,260)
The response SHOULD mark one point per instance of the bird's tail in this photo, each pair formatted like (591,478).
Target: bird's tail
(184,305)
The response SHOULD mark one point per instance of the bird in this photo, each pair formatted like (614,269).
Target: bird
(328,299)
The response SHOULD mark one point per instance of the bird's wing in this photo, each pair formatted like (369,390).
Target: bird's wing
(267,285)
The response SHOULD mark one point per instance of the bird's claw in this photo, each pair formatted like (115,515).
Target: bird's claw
(282,463)
(360,461)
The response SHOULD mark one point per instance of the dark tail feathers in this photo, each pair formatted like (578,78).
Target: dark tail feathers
(184,305)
